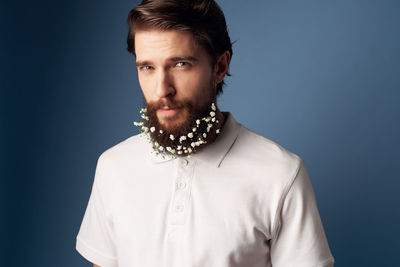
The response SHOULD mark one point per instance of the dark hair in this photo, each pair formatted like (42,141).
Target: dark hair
(203,18)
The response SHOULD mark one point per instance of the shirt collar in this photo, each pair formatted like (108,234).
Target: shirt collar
(214,153)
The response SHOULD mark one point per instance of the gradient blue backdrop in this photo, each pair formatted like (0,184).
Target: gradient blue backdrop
(321,78)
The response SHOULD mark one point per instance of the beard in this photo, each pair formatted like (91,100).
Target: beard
(180,139)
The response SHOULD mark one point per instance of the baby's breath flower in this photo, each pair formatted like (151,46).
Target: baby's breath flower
(185,148)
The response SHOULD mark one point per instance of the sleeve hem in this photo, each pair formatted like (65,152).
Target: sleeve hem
(94,256)
(328,263)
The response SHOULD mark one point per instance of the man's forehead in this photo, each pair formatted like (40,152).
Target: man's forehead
(164,43)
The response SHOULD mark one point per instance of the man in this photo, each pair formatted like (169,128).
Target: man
(196,188)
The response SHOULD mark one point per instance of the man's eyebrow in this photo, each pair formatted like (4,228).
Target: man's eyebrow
(184,58)
(142,63)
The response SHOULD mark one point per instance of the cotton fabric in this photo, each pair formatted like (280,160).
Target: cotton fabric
(243,201)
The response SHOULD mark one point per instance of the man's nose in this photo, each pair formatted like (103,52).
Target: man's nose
(165,86)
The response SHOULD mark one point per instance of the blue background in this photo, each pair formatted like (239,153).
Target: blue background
(321,78)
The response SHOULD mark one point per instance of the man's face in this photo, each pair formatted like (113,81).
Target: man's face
(173,72)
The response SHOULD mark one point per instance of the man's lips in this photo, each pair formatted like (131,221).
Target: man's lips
(168,111)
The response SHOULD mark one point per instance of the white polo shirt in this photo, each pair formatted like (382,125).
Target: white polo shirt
(242,201)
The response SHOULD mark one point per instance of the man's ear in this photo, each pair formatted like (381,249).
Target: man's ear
(222,66)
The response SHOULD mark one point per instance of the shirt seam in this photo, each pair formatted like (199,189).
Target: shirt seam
(277,221)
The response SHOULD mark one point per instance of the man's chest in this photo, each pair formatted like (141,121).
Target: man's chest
(183,212)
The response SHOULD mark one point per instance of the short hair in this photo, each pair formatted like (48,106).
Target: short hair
(204,19)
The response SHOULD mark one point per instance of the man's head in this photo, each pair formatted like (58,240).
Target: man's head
(203,19)
(182,51)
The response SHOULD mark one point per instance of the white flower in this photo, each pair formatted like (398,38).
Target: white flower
(204,135)
(190,135)
(161,131)
(209,126)
(179,152)
(182,138)
(197,122)
(213,119)
(190,150)
(193,144)
(179,147)
(161,148)
(194,129)
(152,129)
(213,107)
(156,144)
(169,148)
(217,131)
(212,113)
(171,136)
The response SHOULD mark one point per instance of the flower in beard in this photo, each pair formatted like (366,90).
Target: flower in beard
(183,139)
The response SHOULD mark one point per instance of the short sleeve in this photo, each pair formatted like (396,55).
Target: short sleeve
(300,239)
(95,241)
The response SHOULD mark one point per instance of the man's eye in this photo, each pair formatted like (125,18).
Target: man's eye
(145,68)
(181,64)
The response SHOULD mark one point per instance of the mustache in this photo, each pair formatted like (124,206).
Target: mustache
(170,103)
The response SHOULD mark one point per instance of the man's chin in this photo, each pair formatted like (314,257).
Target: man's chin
(171,121)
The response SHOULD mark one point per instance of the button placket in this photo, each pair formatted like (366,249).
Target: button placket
(181,194)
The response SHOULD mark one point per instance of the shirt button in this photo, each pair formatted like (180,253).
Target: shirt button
(180,185)
(179,208)
(184,162)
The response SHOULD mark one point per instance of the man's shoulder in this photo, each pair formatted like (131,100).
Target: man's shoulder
(262,152)
(130,148)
